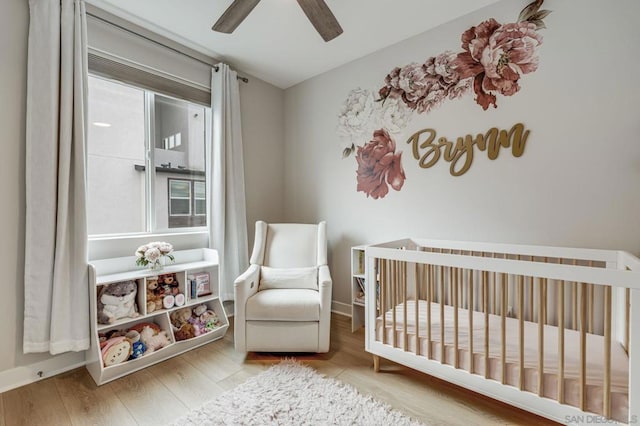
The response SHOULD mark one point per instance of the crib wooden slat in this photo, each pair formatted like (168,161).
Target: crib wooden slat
(394,299)
(495,297)
(503,322)
(531,293)
(544,286)
(430,270)
(450,280)
(471,310)
(591,304)
(485,299)
(574,302)
(419,278)
(541,301)
(403,280)
(383,289)
(560,341)
(583,345)
(545,301)
(442,348)
(521,329)
(455,319)
(606,391)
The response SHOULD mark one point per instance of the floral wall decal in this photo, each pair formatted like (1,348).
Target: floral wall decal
(361,114)
(379,165)
(493,59)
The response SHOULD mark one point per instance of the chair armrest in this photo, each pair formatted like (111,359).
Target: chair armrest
(324,287)
(245,286)
(324,277)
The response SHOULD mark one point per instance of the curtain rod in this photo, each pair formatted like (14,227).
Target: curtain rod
(215,67)
(244,79)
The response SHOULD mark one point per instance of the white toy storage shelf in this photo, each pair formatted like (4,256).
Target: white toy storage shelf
(187,262)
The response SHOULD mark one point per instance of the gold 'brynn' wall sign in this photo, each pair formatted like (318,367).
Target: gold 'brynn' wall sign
(428,151)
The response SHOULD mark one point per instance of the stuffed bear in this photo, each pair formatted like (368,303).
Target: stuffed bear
(180,317)
(140,326)
(169,283)
(199,310)
(154,340)
(187,331)
(117,300)
(154,300)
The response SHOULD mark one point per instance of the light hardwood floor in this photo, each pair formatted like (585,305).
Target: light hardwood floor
(161,393)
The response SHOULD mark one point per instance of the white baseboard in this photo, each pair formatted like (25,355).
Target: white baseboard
(341,308)
(26,374)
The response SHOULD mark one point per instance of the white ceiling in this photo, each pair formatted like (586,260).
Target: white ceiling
(277,43)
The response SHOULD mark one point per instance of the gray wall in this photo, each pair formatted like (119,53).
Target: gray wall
(262,109)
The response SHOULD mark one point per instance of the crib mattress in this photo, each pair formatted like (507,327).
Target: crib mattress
(594,361)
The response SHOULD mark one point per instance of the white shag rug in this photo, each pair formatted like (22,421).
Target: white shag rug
(290,393)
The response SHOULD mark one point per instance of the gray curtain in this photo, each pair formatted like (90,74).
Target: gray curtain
(56,312)
(228,231)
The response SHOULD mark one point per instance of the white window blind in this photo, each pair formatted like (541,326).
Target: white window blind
(122,54)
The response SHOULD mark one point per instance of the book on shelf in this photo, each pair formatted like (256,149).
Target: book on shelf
(361,284)
(198,285)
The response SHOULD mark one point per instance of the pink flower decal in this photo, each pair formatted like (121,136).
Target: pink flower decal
(496,56)
(379,166)
(423,87)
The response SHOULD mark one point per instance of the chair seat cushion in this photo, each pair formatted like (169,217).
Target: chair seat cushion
(284,305)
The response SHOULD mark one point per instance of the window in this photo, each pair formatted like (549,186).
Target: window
(199,199)
(187,203)
(146,160)
(179,197)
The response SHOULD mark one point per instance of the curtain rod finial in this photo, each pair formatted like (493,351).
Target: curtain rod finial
(243,79)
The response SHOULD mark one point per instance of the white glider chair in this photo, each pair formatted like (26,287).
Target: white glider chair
(283,301)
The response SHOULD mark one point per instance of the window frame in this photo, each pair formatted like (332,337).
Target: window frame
(192,217)
(189,183)
(151,227)
(195,198)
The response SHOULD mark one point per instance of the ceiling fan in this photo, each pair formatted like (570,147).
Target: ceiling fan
(316,10)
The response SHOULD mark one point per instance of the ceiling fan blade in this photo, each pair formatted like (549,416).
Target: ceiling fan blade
(322,18)
(234,15)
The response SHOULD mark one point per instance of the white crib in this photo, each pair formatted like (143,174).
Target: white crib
(547,329)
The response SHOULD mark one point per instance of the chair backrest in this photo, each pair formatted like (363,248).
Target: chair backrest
(290,245)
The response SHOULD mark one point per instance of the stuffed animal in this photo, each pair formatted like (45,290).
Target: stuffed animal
(199,310)
(180,317)
(169,283)
(154,340)
(115,350)
(137,347)
(187,331)
(154,300)
(117,300)
(209,319)
(138,327)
